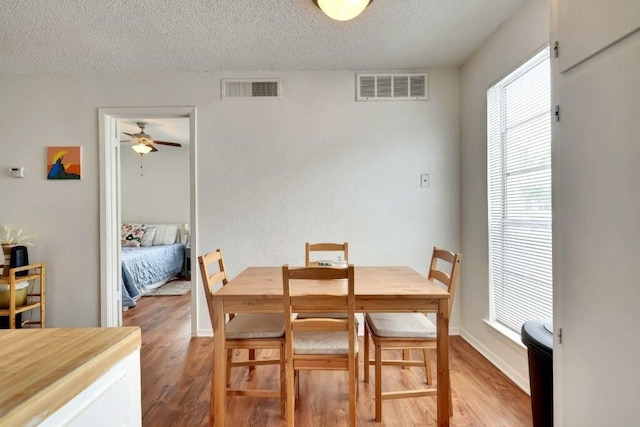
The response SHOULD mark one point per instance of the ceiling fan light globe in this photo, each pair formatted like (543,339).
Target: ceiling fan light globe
(342,10)
(141,148)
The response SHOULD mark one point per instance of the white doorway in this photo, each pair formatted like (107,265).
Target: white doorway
(110,198)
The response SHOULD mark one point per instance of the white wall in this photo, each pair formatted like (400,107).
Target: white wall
(272,174)
(514,42)
(161,194)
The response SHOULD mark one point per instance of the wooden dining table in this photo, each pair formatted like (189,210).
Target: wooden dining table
(377,289)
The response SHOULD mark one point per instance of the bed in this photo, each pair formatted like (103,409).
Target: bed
(151,255)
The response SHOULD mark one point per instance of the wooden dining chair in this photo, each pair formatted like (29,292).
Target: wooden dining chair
(320,343)
(325,247)
(406,331)
(246,331)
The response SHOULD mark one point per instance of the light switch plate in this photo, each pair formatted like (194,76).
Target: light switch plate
(424,180)
(17,172)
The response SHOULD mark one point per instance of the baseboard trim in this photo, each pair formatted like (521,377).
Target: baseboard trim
(512,374)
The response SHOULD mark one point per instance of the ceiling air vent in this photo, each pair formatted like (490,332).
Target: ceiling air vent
(251,88)
(392,87)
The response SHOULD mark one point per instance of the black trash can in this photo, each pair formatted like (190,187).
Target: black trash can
(537,335)
(18,258)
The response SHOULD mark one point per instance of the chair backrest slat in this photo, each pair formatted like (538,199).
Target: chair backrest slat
(445,255)
(210,257)
(440,276)
(219,277)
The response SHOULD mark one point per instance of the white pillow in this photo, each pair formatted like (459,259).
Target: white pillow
(165,235)
(161,230)
(171,235)
(149,235)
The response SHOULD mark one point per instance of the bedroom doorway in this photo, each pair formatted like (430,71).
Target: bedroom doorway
(126,192)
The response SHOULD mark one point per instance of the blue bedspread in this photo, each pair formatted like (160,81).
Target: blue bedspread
(144,269)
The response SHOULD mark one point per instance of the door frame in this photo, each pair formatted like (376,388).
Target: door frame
(109,152)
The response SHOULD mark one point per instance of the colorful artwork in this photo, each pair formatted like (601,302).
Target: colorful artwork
(64,162)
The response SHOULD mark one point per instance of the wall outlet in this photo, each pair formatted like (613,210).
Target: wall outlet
(424,180)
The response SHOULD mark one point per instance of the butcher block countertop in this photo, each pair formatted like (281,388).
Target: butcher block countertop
(42,369)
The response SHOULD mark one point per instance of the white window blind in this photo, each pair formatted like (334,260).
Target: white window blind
(519,192)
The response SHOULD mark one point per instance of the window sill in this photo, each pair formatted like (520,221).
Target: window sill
(506,334)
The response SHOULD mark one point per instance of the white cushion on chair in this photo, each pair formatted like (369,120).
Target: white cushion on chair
(245,325)
(393,325)
(322,342)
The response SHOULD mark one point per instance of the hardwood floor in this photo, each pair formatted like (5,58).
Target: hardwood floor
(176,377)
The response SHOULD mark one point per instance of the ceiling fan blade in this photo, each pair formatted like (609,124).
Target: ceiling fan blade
(152,147)
(130,134)
(173,144)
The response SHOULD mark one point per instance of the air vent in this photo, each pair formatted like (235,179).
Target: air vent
(251,88)
(392,87)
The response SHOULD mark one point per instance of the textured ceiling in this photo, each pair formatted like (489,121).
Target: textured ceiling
(161,36)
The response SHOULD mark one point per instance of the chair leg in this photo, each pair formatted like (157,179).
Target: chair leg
(427,366)
(211,397)
(283,382)
(353,384)
(366,354)
(252,356)
(450,399)
(290,394)
(378,383)
(406,355)
(357,374)
(229,361)
(297,385)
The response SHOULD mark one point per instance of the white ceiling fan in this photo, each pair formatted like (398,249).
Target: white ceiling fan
(144,143)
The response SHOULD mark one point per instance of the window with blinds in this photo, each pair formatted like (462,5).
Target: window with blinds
(519,192)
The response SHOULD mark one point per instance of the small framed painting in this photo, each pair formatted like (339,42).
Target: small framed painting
(64,162)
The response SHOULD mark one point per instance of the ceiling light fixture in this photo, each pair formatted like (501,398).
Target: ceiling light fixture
(141,148)
(342,10)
